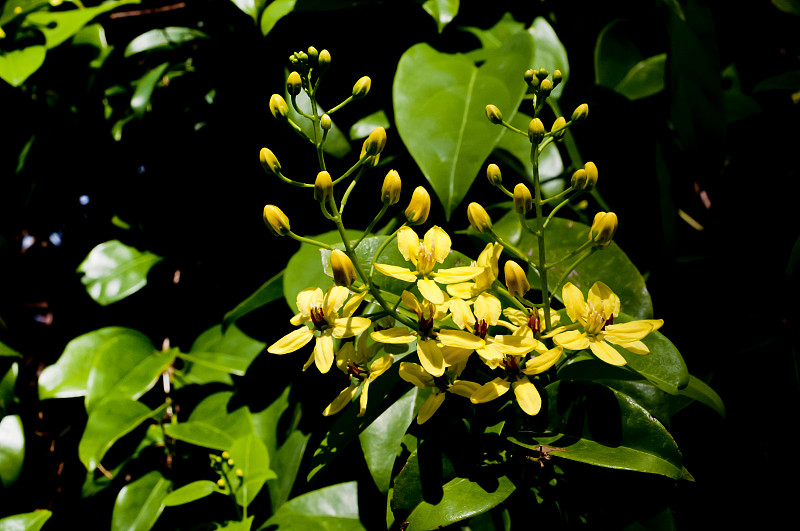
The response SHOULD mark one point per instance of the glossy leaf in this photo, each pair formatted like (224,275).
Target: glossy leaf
(412,485)
(442,11)
(162,38)
(550,52)
(270,291)
(32,521)
(439,102)
(140,503)
(644,79)
(703,393)
(286,465)
(363,127)
(106,424)
(495,36)
(7,388)
(144,89)
(113,270)
(215,355)
(250,7)
(17,65)
(211,425)
(333,508)
(58,26)
(615,53)
(12,449)
(601,426)
(380,441)
(250,455)
(274,12)
(195,490)
(610,265)
(94,35)
(5,350)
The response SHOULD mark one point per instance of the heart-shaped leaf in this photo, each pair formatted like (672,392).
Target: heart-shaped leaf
(17,65)
(113,270)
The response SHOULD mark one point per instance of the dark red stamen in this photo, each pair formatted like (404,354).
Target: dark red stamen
(318,318)
(534,322)
(354,370)
(481,328)
(609,322)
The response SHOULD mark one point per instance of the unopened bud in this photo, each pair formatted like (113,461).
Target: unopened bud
(591,174)
(559,128)
(276,220)
(494,115)
(230,462)
(324,59)
(419,207)
(313,56)
(580,113)
(493,174)
(375,142)
(478,218)
(323,186)
(361,88)
(542,74)
(220,482)
(239,473)
(579,180)
(390,191)
(516,280)
(325,122)
(545,88)
(536,131)
(294,83)
(603,229)
(523,202)
(529,76)
(269,162)
(371,161)
(278,107)
(557,78)
(344,273)
(225,455)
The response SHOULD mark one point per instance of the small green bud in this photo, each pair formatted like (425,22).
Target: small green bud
(419,207)
(536,131)
(277,222)
(494,115)
(239,473)
(230,462)
(534,83)
(269,162)
(324,59)
(557,78)
(478,218)
(220,482)
(376,141)
(559,128)
(591,174)
(294,84)
(278,107)
(313,56)
(523,202)
(344,273)
(225,455)
(545,88)
(580,113)
(516,280)
(493,174)
(303,57)
(323,186)
(542,74)
(529,76)
(361,88)
(603,229)
(325,122)
(390,191)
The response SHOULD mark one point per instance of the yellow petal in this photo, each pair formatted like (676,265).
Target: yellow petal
(341,401)
(429,290)
(430,357)
(411,302)
(408,244)
(334,298)
(606,353)
(517,317)
(462,314)
(362,405)
(400,273)
(307,299)
(323,353)
(460,339)
(488,308)
(438,242)
(542,362)
(464,388)
(299,319)
(600,294)
(310,361)
(353,303)
(380,366)
(414,374)
(291,341)
(455,355)
(454,275)
(514,345)
(429,407)
(528,396)
(397,335)
(574,302)
(350,326)
(625,332)
(572,340)
(490,390)
(637,347)
(490,356)
(463,290)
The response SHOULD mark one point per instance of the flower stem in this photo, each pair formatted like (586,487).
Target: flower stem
(569,270)
(537,205)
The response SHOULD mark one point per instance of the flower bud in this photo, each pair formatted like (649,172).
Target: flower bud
(239,473)
(493,174)
(494,115)
(536,131)
(579,180)
(545,87)
(371,161)
(324,59)
(478,218)
(390,191)
(325,122)
(276,220)
(278,107)
(375,142)
(313,56)
(591,174)
(557,78)
(361,88)
(529,76)
(559,128)
(343,271)
(603,228)
(269,162)
(542,74)
(323,186)
(294,83)
(580,113)
(419,207)
(523,202)
(516,281)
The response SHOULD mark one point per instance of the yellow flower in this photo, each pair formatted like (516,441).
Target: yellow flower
(516,378)
(531,321)
(425,255)
(415,374)
(353,359)
(488,260)
(596,317)
(326,323)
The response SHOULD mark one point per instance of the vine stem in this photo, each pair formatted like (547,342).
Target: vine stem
(537,204)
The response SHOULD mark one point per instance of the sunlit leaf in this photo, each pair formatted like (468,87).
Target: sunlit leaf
(32,521)
(211,425)
(249,455)
(144,89)
(274,12)
(12,449)
(7,388)
(58,26)
(363,127)
(113,270)
(442,11)
(5,350)
(162,38)
(250,7)
(215,355)
(17,65)
(644,79)
(195,490)
(140,503)
(331,508)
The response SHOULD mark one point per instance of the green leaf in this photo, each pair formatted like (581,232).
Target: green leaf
(32,521)
(238,525)
(5,350)
(113,270)
(286,465)
(644,79)
(195,490)
(615,53)
(270,291)
(210,425)
(442,11)
(58,26)
(698,390)
(550,52)
(106,424)
(215,355)
(94,35)
(139,504)
(333,508)
(274,12)
(163,38)
(439,107)
(611,265)
(250,7)
(12,449)
(600,426)
(784,81)
(495,36)
(7,385)
(363,127)
(250,455)
(144,90)
(380,441)
(17,65)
